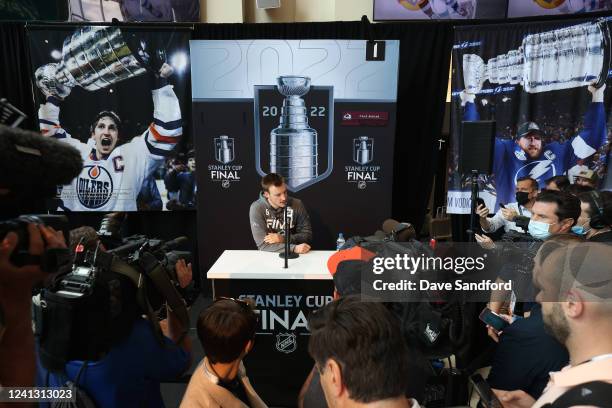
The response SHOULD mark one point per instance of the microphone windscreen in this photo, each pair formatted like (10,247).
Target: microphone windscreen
(389,225)
(32,162)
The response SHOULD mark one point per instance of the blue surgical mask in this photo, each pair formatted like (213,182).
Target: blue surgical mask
(580,230)
(539,229)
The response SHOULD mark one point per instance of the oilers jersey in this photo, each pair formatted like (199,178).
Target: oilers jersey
(112,183)
(510,162)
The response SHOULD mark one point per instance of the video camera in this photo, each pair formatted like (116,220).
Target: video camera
(52,259)
(75,319)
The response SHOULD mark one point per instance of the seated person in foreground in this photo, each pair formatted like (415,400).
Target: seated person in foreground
(266,217)
(226,330)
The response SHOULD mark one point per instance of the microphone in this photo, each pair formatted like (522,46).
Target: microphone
(287,254)
(399,231)
(175,243)
(31,168)
(30,161)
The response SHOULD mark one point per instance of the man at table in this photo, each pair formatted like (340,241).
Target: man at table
(266,216)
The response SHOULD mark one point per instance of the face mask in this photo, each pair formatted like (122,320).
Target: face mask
(522,197)
(580,230)
(539,229)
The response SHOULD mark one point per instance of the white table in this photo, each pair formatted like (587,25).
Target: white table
(279,363)
(238,264)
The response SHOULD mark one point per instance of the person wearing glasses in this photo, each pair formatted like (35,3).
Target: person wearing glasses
(226,330)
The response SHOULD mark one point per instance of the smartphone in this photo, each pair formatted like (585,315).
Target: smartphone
(480,201)
(502,205)
(493,319)
(488,399)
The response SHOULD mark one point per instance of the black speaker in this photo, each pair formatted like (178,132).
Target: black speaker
(476,146)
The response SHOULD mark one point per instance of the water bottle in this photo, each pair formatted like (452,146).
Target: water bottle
(340,241)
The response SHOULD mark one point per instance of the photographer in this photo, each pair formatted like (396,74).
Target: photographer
(30,168)
(17,343)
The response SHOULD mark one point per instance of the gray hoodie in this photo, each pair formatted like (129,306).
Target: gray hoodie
(265,220)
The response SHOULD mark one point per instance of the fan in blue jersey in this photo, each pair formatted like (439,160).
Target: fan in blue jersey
(528,156)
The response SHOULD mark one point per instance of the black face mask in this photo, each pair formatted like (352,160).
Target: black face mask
(522,197)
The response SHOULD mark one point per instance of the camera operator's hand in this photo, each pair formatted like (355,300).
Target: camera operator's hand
(17,348)
(40,238)
(184,273)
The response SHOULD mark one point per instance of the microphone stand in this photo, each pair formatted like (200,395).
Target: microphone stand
(474,196)
(287,254)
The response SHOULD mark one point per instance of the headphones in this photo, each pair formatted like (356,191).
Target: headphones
(598,220)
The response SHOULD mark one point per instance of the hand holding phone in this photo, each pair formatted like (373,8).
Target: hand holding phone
(492,319)
(488,399)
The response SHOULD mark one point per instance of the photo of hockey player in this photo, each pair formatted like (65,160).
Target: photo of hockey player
(524,8)
(546,89)
(531,152)
(135,10)
(102,110)
(438,9)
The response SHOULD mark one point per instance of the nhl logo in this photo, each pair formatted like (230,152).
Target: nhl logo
(286,342)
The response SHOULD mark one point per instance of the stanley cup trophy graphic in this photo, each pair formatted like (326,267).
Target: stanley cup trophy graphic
(293,144)
(363,150)
(560,59)
(93,58)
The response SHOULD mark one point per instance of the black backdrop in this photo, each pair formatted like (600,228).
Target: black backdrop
(425,50)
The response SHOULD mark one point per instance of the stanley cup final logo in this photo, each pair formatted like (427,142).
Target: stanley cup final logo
(293,144)
(93,58)
(224,149)
(363,150)
(565,58)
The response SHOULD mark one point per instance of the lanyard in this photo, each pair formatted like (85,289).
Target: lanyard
(598,358)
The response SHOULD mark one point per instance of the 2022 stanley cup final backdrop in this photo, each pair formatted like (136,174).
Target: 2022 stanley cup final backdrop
(314,111)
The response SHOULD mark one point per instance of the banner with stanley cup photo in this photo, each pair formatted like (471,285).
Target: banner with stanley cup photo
(523,8)
(547,87)
(315,112)
(120,97)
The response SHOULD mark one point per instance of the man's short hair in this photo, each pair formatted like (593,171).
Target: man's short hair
(603,206)
(271,179)
(108,114)
(576,189)
(366,342)
(86,236)
(568,205)
(584,266)
(562,182)
(225,328)
(534,183)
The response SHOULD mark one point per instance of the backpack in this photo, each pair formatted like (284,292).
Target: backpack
(594,393)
